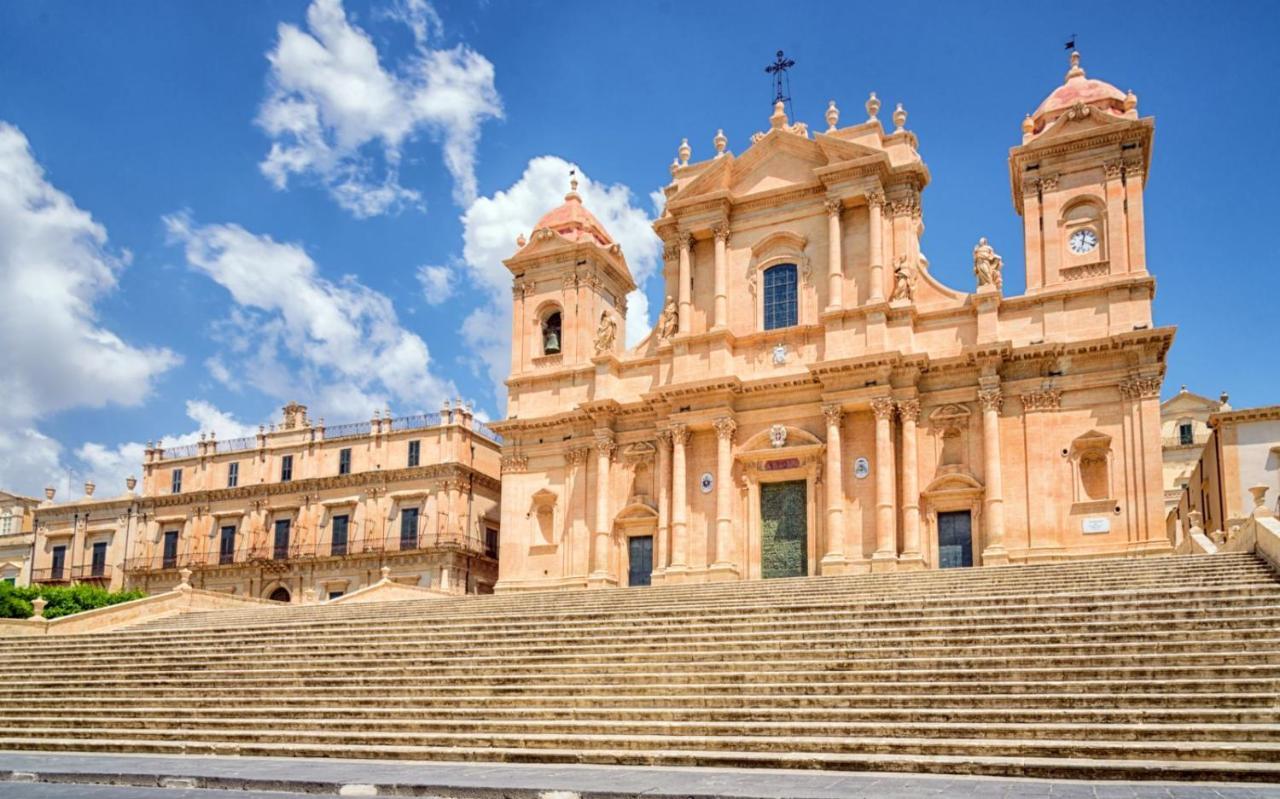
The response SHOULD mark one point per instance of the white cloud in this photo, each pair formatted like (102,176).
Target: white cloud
(338,346)
(491,225)
(108,466)
(333,109)
(437,283)
(55,265)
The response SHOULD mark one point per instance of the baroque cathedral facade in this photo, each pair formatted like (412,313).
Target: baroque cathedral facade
(812,400)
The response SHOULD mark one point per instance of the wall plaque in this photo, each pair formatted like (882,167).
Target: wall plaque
(1095,524)
(706,482)
(783,463)
(861,468)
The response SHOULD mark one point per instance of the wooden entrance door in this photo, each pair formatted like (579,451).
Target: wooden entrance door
(640,559)
(955,539)
(784,529)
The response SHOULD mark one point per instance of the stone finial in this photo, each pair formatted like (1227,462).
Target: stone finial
(873,107)
(778,119)
(721,142)
(521,240)
(899,119)
(49,491)
(1259,494)
(1130,100)
(184,579)
(386,573)
(130,483)
(1076,70)
(88,488)
(1028,125)
(1222,402)
(37,608)
(832,115)
(684,152)
(1196,518)
(675,164)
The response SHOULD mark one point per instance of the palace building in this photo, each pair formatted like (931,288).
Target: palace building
(812,399)
(298,513)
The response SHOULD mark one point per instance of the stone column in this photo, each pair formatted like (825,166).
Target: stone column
(909,414)
(885,557)
(835,264)
(604,454)
(725,427)
(994,554)
(721,318)
(679,501)
(685,300)
(663,553)
(875,206)
(833,558)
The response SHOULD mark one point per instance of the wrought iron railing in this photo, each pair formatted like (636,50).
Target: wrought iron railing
(51,576)
(92,573)
(238,444)
(185,451)
(349,429)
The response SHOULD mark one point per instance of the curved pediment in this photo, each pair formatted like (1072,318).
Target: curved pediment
(791,437)
(953,481)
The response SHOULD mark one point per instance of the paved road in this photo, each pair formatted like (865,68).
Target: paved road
(281,778)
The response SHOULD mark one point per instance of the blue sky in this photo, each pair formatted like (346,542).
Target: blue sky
(208,209)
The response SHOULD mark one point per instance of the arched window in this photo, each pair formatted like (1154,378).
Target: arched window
(551,333)
(780,296)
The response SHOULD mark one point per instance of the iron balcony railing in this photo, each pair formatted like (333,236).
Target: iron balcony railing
(92,573)
(51,575)
(308,548)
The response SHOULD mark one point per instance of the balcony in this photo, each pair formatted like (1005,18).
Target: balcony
(305,547)
(96,575)
(51,576)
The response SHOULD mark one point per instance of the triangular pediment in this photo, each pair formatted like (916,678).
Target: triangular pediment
(1188,401)
(1081,120)
(779,160)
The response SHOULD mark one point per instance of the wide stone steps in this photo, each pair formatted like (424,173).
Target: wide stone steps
(1131,668)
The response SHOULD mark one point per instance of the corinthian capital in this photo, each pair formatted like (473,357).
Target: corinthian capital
(909,410)
(834,207)
(992,399)
(605,444)
(725,427)
(882,407)
(834,412)
(680,433)
(720,231)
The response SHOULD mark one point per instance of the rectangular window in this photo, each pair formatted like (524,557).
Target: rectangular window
(1186,435)
(170,553)
(98,565)
(286,468)
(780,299)
(339,545)
(415,452)
(233,474)
(176,484)
(344,460)
(59,562)
(491,541)
(409,528)
(281,550)
(335,594)
(227,544)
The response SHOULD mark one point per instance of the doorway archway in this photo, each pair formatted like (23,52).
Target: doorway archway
(281,594)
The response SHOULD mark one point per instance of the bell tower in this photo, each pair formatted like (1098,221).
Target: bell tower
(569,287)
(1077,181)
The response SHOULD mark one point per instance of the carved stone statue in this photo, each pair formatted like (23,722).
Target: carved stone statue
(606,333)
(904,280)
(987,265)
(669,322)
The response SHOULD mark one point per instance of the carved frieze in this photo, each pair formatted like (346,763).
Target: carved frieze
(1136,388)
(1049,399)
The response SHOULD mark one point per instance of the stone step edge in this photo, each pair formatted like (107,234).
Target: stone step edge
(1036,767)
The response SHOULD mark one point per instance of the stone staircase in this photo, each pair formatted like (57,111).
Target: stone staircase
(1141,668)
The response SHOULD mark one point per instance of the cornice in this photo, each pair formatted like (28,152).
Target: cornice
(1265,413)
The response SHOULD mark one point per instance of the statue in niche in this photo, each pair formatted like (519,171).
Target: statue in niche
(606,333)
(669,322)
(904,280)
(987,265)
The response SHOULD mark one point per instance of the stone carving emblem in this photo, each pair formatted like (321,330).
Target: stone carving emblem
(861,468)
(779,354)
(778,436)
(706,482)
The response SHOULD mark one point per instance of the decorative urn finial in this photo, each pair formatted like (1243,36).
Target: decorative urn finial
(833,115)
(1076,70)
(684,152)
(778,119)
(1028,125)
(873,107)
(899,119)
(1130,100)
(521,240)
(721,142)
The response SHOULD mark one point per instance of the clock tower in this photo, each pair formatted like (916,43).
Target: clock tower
(1077,181)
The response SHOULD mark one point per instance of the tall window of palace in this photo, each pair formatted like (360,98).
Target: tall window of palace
(780,299)
(233,474)
(344,460)
(551,333)
(415,452)
(286,468)
(175,482)
(1186,434)
(409,528)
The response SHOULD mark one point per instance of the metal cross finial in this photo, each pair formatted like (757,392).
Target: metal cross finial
(778,69)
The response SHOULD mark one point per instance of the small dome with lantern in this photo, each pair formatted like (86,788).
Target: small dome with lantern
(1077,88)
(574,222)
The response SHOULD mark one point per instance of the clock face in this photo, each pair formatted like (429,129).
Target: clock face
(1083,241)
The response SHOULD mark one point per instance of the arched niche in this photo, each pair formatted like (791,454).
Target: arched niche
(1092,473)
(542,518)
(1085,212)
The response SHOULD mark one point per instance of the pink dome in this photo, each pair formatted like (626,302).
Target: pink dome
(1078,89)
(573,221)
